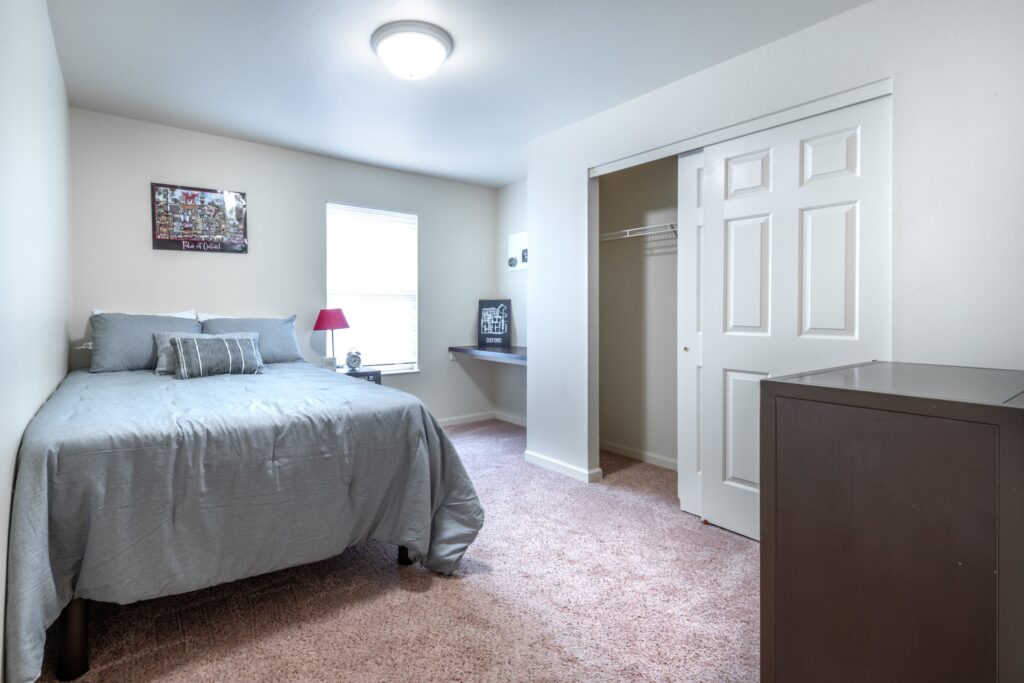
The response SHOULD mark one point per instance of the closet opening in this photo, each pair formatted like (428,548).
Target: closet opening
(637,311)
(783,245)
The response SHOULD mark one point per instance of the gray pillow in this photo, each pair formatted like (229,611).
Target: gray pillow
(165,354)
(206,356)
(121,341)
(278,343)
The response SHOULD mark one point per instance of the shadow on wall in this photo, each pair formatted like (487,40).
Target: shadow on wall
(637,333)
(623,337)
(80,348)
(638,314)
(480,373)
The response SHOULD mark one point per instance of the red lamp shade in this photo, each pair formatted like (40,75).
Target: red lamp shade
(330,319)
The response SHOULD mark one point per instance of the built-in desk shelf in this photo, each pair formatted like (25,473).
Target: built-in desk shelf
(513,355)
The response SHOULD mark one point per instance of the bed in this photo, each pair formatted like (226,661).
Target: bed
(132,485)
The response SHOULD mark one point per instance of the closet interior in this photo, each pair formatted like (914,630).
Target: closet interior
(637,311)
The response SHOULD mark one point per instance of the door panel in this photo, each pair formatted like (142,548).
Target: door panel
(748,173)
(748,265)
(831,155)
(690,316)
(828,270)
(742,424)
(795,276)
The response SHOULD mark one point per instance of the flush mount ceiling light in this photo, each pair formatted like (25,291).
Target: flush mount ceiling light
(411,49)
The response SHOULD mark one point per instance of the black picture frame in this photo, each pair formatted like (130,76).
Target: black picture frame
(494,322)
(189,218)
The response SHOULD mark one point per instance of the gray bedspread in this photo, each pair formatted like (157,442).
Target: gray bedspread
(132,485)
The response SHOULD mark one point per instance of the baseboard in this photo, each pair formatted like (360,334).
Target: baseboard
(465,419)
(480,417)
(510,418)
(568,470)
(642,456)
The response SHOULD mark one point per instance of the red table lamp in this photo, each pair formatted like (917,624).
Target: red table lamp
(331,319)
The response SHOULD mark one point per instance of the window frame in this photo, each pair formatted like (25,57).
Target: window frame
(405,368)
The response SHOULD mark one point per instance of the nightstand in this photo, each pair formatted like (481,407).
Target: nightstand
(368,375)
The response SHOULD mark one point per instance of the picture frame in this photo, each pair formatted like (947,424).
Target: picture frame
(494,322)
(189,218)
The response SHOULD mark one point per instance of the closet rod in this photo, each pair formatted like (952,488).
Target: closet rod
(638,232)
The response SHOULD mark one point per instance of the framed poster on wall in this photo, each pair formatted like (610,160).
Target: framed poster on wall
(495,323)
(198,219)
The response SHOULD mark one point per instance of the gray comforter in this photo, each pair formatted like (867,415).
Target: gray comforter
(132,485)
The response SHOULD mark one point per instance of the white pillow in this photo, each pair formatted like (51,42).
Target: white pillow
(202,317)
(180,314)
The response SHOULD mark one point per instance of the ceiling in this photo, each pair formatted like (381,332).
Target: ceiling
(301,73)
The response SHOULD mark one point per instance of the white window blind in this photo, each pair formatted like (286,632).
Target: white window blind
(372,275)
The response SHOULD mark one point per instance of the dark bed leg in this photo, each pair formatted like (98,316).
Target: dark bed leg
(73,641)
(403,556)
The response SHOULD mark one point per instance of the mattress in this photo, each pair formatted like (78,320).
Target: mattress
(131,485)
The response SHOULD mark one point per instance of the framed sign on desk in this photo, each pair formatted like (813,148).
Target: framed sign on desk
(494,323)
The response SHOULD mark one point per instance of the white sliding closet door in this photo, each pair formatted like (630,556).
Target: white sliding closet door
(796,275)
(689,314)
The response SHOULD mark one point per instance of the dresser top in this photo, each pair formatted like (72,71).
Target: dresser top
(944,382)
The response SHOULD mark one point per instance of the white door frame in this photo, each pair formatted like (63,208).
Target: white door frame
(839,100)
(689,329)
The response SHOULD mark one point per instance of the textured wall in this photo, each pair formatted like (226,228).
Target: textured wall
(115,268)
(34,251)
(957,113)
(510,380)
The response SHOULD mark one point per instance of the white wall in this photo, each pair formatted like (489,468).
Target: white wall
(114,159)
(957,146)
(638,314)
(34,256)
(510,380)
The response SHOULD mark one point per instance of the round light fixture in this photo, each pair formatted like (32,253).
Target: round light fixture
(411,49)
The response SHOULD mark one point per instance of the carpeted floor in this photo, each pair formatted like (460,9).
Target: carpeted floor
(566,582)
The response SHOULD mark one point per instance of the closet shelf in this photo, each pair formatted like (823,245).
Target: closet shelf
(645,231)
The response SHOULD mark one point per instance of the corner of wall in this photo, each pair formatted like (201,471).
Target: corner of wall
(34,214)
(510,380)
(555,465)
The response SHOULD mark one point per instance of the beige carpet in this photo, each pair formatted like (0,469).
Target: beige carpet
(566,582)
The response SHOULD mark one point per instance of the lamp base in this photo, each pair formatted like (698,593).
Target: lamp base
(331,363)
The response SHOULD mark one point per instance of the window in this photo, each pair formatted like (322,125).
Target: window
(372,276)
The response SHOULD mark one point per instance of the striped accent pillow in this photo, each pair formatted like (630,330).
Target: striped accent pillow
(165,355)
(202,357)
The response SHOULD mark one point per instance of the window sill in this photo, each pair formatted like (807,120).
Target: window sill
(386,373)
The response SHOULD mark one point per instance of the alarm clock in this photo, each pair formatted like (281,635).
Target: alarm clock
(353,360)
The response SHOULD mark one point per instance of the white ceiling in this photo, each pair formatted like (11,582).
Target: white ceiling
(301,74)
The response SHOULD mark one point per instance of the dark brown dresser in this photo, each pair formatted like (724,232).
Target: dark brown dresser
(892,524)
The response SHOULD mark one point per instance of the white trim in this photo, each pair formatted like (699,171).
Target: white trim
(482,417)
(510,418)
(593,324)
(641,455)
(578,473)
(389,373)
(465,419)
(821,105)
(343,368)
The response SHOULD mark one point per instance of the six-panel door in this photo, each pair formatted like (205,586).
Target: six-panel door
(794,258)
